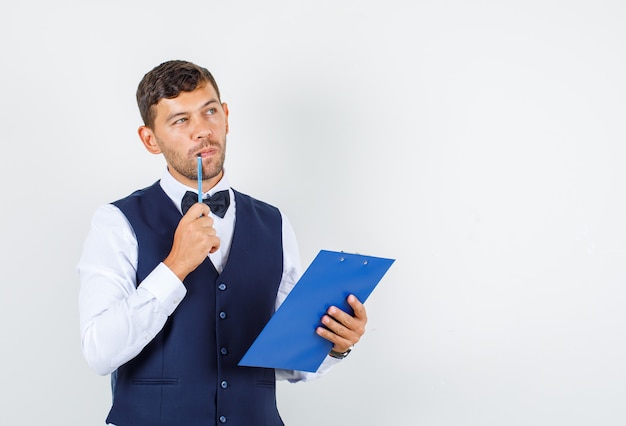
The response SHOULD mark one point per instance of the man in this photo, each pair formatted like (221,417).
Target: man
(171,298)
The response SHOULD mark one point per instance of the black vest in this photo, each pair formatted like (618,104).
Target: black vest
(188,374)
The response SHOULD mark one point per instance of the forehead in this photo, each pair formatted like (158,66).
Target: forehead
(185,102)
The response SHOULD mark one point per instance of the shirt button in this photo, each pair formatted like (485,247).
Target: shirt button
(222,286)
(224,384)
(224,351)
(223,315)
(176,301)
(222,419)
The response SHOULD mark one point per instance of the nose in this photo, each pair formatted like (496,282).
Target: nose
(203,131)
(203,134)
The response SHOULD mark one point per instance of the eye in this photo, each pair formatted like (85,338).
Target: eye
(211,111)
(180,120)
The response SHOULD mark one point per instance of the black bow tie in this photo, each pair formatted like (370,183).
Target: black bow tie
(218,202)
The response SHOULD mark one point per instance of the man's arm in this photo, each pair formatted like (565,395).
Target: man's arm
(342,329)
(118,319)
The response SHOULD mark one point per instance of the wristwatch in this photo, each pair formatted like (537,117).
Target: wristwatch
(340,355)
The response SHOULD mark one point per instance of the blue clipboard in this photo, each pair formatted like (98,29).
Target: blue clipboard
(288,340)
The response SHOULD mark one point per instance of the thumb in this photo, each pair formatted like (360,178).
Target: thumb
(197,210)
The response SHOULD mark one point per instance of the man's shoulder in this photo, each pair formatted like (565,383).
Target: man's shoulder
(248,199)
(133,196)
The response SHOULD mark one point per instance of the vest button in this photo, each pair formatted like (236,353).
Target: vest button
(223,315)
(224,351)
(224,384)
(222,419)
(222,286)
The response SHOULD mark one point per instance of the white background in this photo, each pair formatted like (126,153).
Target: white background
(480,143)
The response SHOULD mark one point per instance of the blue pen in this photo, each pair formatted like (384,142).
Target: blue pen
(199,178)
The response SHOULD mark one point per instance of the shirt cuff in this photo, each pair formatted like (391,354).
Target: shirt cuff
(166,288)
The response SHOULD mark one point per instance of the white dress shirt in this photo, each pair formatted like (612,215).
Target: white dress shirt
(118,318)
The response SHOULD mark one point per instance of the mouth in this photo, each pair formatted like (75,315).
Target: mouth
(206,152)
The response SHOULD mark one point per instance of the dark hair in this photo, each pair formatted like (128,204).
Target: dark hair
(168,80)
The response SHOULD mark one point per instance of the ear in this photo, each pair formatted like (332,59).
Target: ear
(149,140)
(225,108)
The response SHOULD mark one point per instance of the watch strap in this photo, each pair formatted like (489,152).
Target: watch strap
(340,355)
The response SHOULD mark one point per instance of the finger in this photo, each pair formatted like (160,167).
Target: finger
(338,316)
(216,245)
(197,210)
(332,324)
(354,326)
(206,221)
(344,337)
(339,343)
(357,307)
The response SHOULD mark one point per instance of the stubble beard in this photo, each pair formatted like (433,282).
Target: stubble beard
(189,168)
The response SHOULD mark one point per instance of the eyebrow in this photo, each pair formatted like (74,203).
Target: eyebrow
(176,114)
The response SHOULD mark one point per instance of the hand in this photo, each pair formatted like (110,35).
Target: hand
(194,239)
(343,329)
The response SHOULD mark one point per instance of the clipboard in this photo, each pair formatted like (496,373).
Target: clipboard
(288,340)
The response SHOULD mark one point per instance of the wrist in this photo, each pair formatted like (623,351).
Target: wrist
(340,355)
(179,269)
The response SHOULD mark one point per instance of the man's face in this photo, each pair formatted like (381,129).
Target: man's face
(190,124)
